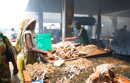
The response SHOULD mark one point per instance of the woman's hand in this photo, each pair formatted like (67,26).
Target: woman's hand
(50,55)
(65,40)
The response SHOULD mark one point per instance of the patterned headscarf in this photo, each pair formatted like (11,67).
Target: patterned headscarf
(23,26)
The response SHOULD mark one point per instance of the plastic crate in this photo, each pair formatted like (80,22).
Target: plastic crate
(44,42)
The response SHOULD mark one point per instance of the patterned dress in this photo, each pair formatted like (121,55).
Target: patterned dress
(5,76)
(24,56)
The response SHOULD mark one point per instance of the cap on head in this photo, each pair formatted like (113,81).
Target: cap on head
(76,23)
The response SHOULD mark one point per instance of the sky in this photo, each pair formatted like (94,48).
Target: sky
(12,12)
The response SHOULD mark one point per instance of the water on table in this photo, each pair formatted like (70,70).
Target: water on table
(121,68)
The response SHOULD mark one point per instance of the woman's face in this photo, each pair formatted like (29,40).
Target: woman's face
(32,26)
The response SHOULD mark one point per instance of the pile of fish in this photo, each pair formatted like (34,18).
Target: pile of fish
(77,66)
(61,44)
(40,71)
(66,51)
(88,49)
(104,74)
(70,50)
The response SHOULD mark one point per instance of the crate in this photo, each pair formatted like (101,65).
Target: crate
(44,42)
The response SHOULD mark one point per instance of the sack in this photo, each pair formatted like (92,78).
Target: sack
(9,53)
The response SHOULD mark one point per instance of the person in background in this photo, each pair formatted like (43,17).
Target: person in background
(44,30)
(5,76)
(26,46)
(122,36)
(82,36)
(12,34)
(57,35)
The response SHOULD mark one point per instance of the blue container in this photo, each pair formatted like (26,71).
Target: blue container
(39,81)
(15,37)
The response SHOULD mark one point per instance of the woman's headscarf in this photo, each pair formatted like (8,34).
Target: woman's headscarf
(23,26)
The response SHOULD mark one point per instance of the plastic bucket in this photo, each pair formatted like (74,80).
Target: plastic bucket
(44,42)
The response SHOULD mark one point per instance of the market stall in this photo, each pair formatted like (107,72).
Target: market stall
(80,70)
(73,63)
(72,50)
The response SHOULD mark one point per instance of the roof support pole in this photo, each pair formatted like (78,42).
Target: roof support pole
(67,18)
(40,20)
(114,24)
(90,27)
(99,25)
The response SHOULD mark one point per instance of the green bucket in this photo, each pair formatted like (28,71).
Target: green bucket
(44,42)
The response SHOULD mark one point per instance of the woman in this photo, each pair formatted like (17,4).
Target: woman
(5,76)
(26,47)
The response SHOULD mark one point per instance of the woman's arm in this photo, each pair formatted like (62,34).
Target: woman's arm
(14,54)
(10,45)
(74,38)
(34,36)
(70,38)
(30,46)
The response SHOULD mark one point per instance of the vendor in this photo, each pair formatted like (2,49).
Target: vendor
(26,46)
(5,76)
(82,36)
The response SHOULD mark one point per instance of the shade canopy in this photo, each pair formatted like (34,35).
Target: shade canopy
(80,6)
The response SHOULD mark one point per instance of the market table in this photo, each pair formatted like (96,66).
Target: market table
(94,54)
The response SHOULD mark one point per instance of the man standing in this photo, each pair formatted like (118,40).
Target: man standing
(82,36)
(12,34)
